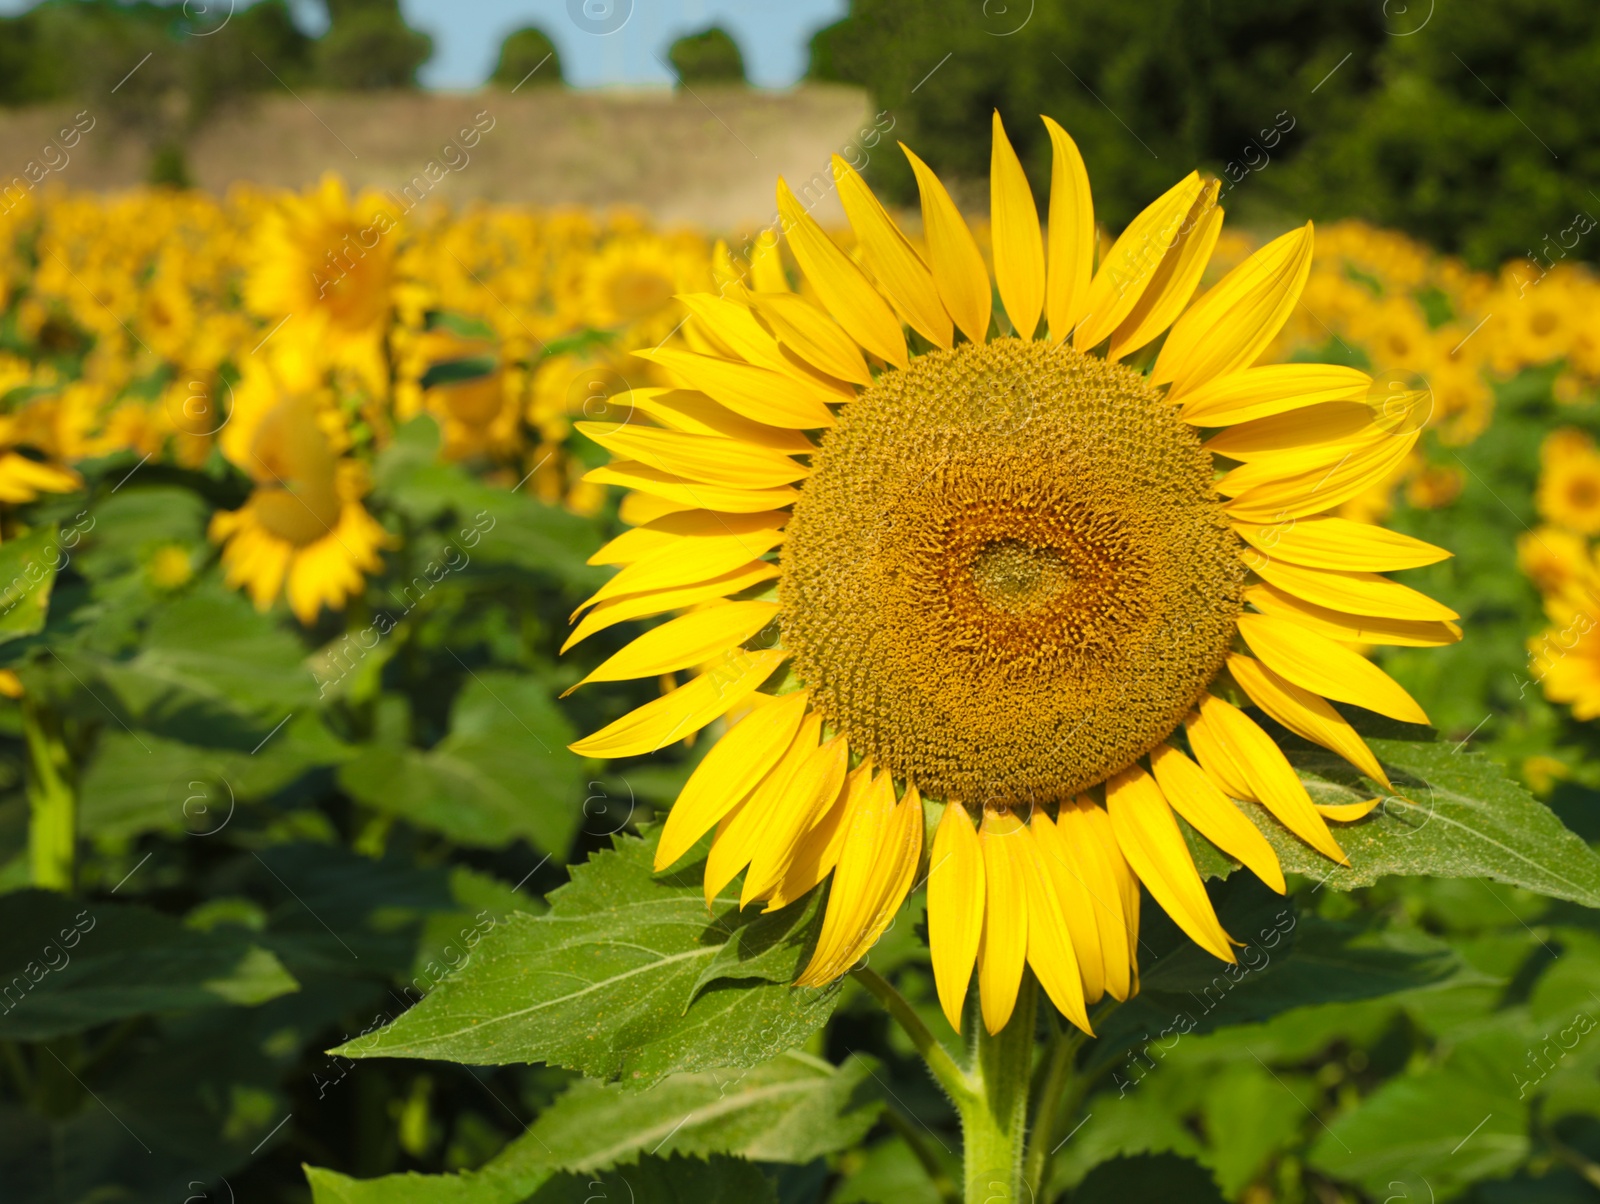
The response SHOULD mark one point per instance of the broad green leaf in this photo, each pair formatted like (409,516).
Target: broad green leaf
(791,1109)
(489,525)
(1455,815)
(67,965)
(1117,1125)
(142,782)
(1246,1121)
(1446,1127)
(28,568)
(503,772)
(674,1180)
(608,983)
(891,1174)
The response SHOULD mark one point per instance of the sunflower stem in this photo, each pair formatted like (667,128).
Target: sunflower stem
(52,804)
(958,1085)
(995,1124)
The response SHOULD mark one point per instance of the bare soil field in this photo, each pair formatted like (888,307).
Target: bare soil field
(708,157)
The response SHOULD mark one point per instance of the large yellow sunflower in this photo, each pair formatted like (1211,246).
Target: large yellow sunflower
(1004,573)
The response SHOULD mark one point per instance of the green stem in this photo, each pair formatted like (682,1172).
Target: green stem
(958,1085)
(52,805)
(994,1125)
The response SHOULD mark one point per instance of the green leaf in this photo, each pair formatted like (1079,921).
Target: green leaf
(673,1180)
(791,1109)
(1446,1127)
(494,526)
(1246,1122)
(1455,816)
(28,567)
(452,372)
(608,983)
(891,1174)
(503,772)
(66,965)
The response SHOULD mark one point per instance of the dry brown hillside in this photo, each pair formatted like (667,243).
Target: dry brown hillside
(710,157)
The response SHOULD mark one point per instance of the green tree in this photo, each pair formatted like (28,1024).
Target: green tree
(369,47)
(711,57)
(527,56)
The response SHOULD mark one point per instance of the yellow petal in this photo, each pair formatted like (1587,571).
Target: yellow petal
(1225,330)
(735,327)
(955,908)
(813,336)
(655,602)
(739,836)
(637,508)
(1132,261)
(1050,947)
(1089,829)
(686,562)
(1175,277)
(1198,799)
(1318,459)
(686,641)
(766,264)
(900,271)
(631,474)
(820,848)
(1351,629)
(1327,424)
(1232,749)
(669,529)
(1346,813)
(871,881)
(1326,542)
(1316,663)
(815,789)
(1352,593)
(1074,887)
(1320,488)
(1273,389)
(685,710)
(730,771)
(1149,838)
(845,292)
(696,414)
(759,394)
(958,270)
(1304,713)
(1003,947)
(1071,246)
(1014,229)
(707,458)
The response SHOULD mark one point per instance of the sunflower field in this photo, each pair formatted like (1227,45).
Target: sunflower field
(322,880)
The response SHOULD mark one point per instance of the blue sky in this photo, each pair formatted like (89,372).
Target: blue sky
(466,34)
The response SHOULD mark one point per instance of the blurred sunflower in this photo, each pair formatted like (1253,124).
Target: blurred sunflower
(632,281)
(303,531)
(1568,493)
(1008,576)
(323,265)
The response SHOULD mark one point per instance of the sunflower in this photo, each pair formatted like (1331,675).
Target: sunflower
(303,530)
(992,575)
(323,266)
(1568,493)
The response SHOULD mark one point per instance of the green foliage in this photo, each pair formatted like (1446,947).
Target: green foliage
(708,57)
(1461,123)
(369,47)
(528,58)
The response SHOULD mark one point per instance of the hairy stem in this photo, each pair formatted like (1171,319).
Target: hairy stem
(995,1124)
(958,1085)
(52,803)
